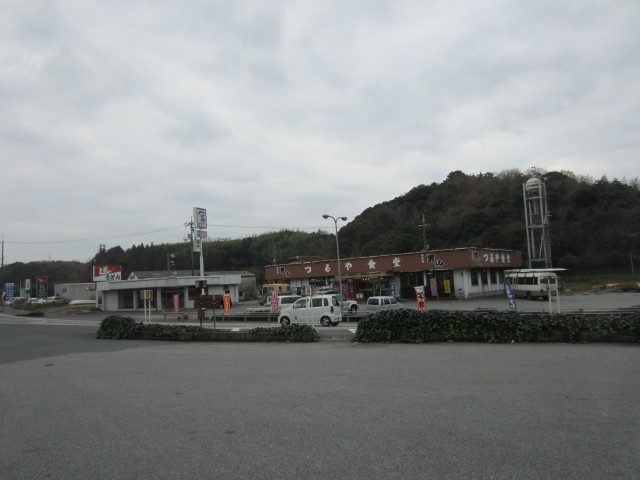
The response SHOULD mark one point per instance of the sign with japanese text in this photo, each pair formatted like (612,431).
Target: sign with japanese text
(146,294)
(200,218)
(395,263)
(434,287)
(275,301)
(107,273)
(227,303)
(511,297)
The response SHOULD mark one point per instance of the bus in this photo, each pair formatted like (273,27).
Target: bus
(532,283)
(265,290)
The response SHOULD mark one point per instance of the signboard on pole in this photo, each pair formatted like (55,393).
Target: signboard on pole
(25,288)
(197,244)
(41,287)
(9,290)
(200,218)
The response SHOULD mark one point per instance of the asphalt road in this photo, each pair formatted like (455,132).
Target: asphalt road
(75,407)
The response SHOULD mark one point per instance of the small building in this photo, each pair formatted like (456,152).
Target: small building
(69,292)
(461,272)
(170,292)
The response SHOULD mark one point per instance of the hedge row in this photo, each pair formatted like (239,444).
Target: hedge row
(412,326)
(117,327)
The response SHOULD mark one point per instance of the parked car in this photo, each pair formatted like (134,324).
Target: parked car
(284,300)
(17,301)
(323,309)
(376,304)
(325,291)
(348,306)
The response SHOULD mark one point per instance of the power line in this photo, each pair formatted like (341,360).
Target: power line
(148,232)
(91,239)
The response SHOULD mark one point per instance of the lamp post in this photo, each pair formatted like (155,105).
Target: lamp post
(335,222)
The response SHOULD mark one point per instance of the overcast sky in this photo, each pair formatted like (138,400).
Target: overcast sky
(118,117)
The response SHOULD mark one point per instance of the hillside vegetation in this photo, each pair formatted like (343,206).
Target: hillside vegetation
(594,228)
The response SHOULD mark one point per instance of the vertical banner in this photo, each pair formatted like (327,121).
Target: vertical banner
(275,301)
(510,296)
(176,303)
(420,298)
(447,287)
(434,287)
(227,303)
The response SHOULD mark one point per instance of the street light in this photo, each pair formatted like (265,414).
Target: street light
(335,222)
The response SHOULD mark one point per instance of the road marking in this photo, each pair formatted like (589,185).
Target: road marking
(353,330)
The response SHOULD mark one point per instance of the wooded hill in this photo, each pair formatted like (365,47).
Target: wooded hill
(594,227)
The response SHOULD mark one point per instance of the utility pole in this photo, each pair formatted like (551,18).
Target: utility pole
(424,226)
(425,247)
(189,225)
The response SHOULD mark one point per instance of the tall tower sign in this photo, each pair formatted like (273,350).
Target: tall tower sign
(537,222)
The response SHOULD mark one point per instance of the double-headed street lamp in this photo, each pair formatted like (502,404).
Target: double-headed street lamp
(335,222)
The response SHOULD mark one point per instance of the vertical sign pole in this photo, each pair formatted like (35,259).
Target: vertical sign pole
(200,220)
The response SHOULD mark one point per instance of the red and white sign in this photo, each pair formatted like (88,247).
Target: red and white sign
(107,273)
(275,301)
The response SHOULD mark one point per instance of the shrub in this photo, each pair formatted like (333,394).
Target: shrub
(292,333)
(412,326)
(116,327)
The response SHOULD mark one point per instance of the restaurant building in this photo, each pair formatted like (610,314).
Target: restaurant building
(458,273)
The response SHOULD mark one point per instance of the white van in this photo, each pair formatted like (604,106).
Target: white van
(323,309)
(376,304)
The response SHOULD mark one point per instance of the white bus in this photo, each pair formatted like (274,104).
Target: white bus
(532,283)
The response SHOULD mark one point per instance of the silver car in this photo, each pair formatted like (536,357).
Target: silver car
(376,304)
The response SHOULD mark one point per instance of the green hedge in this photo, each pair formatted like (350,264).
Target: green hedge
(117,327)
(412,326)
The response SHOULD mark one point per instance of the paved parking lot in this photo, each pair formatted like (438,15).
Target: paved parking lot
(76,407)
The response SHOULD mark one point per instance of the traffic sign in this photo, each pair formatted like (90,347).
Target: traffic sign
(204,301)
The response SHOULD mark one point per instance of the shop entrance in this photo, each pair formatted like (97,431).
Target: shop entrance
(439,283)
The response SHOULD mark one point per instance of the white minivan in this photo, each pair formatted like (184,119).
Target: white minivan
(323,309)
(376,304)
